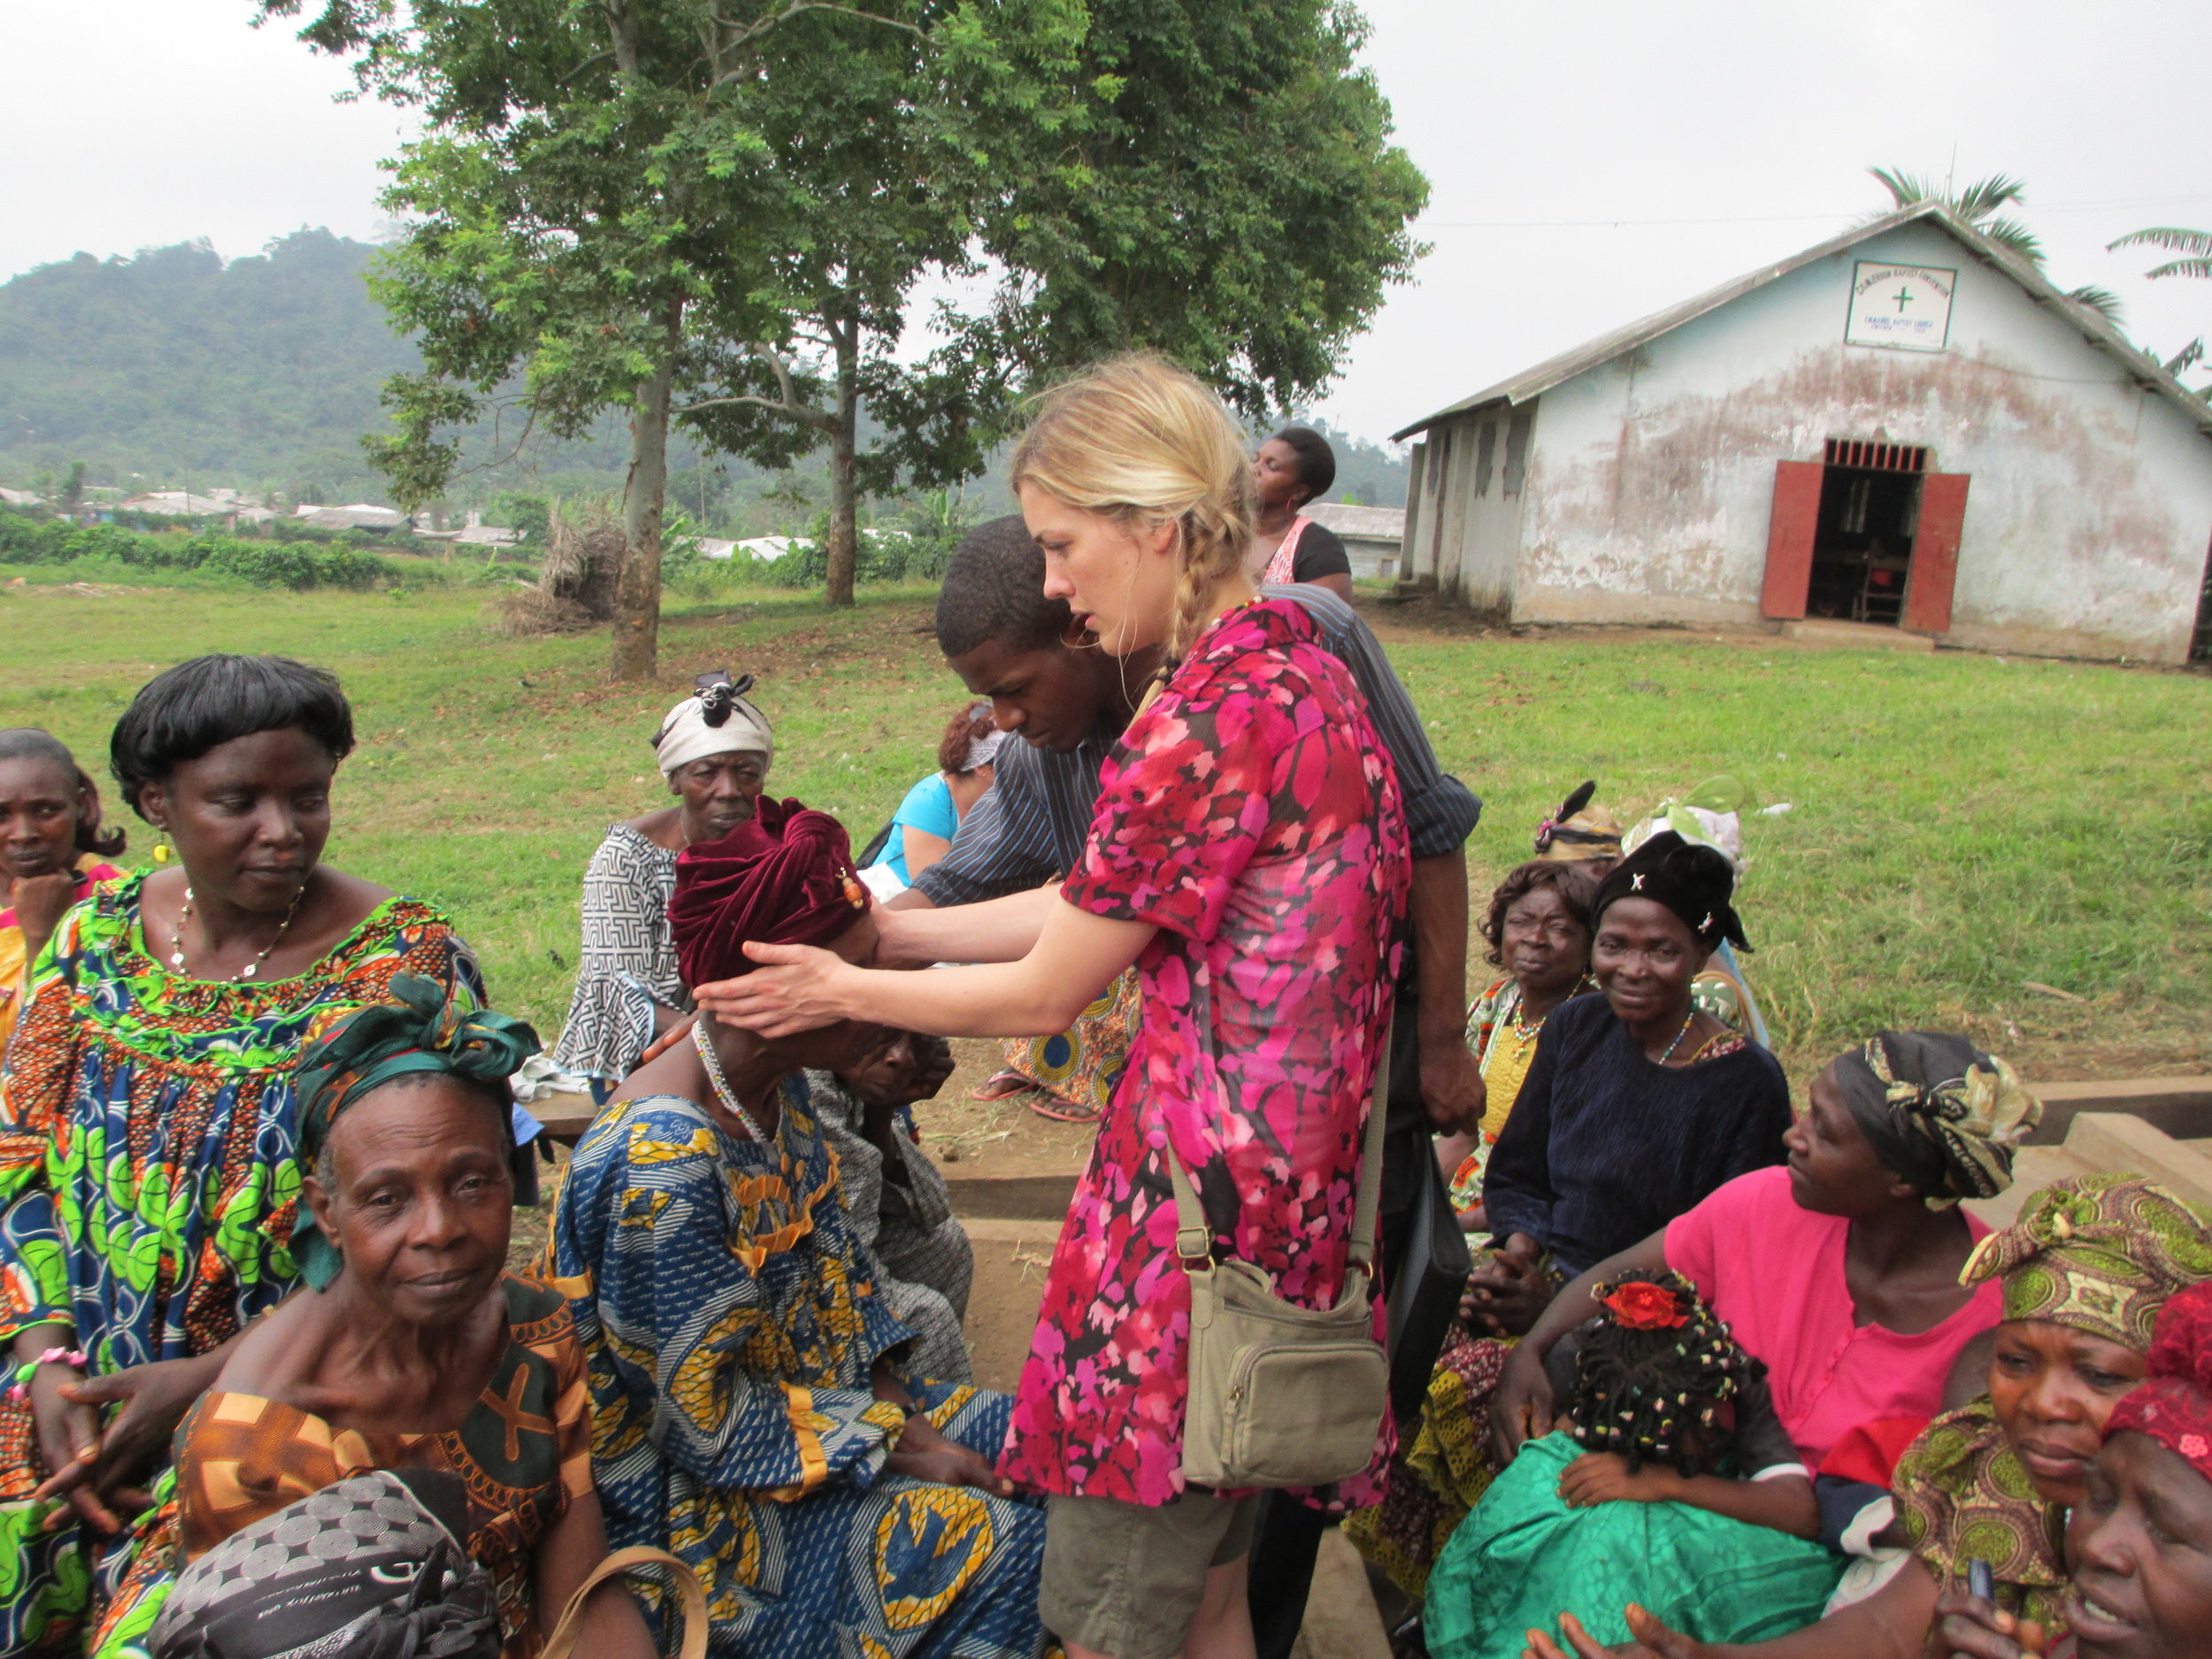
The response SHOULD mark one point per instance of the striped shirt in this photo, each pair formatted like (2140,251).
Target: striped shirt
(1031,823)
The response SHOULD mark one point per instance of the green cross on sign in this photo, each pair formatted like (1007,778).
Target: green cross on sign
(1903,297)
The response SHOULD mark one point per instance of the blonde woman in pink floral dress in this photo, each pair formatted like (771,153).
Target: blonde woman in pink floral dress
(1249,857)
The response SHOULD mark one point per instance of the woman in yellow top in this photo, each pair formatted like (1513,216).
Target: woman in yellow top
(51,851)
(1538,931)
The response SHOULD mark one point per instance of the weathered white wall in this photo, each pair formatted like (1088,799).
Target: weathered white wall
(1477,555)
(1651,477)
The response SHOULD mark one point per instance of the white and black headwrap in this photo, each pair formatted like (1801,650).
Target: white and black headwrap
(714,719)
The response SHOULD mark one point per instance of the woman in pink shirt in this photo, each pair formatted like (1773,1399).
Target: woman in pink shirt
(1840,1270)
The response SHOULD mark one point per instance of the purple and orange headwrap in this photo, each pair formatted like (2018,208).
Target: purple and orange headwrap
(785,876)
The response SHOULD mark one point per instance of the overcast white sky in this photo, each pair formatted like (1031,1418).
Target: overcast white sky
(1590,160)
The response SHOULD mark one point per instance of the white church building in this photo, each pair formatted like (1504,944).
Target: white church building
(1906,425)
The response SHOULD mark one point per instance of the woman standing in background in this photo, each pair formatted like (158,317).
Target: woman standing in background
(52,849)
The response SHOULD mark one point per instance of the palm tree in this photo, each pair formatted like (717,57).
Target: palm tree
(1977,205)
(2195,247)
(2196,244)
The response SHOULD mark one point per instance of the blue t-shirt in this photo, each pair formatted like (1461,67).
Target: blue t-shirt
(928,808)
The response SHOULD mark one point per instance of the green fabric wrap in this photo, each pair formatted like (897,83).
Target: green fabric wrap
(2097,1253)
(1522,1558)
(420,1031)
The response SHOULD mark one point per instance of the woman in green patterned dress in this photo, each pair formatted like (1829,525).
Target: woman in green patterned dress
(149,1176)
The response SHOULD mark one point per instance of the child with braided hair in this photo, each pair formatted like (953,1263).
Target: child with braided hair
(1674,1484)
(1657,1379)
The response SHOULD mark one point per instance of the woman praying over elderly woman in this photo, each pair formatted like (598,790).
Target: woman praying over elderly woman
(1249,857)
(714,748)
(412,1347)
(754,1408)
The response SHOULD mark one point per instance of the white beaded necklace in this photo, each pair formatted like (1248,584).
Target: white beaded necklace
(728,1097)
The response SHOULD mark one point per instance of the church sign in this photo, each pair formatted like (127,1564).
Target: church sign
(1904,307)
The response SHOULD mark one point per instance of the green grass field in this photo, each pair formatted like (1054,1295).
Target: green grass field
(1962,828)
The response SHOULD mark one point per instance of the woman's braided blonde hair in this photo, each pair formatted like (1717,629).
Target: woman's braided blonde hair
(1143,442)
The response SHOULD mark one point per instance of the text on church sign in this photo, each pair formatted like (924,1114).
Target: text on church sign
(1905,307)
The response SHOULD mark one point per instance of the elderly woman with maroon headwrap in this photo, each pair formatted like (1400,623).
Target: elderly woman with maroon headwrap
(753,1409)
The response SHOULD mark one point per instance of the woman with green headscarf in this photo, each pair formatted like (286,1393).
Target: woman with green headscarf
(2084,1272)
(414,1348)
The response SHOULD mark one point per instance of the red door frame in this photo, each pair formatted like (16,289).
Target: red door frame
(1790,532)
(1934,574)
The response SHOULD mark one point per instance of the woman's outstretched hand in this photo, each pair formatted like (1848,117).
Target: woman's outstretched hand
(924,1454)
(1654,1640)
(99,1479)
(800,990)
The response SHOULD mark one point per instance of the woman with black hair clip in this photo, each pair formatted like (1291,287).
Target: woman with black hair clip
(150,1179)
(1292,468)
(714,748)
(52,849)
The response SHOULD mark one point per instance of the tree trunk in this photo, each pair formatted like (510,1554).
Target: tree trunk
(637,600)
(844,526)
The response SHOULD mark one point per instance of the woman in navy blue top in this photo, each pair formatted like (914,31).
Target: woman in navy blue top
(1636,1105)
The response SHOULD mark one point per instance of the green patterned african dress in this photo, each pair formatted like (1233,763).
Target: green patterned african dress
(1964,1496)
(149,1177)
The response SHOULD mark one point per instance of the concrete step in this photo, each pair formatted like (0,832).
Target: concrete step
(2181,1106)
(1864,636)
(1024,1172)
(2104,1143)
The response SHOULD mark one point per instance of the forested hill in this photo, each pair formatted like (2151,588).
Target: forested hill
(176,369)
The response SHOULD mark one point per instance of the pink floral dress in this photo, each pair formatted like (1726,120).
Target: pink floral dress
(1253,815)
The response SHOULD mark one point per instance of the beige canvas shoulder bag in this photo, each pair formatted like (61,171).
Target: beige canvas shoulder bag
(1282,1395)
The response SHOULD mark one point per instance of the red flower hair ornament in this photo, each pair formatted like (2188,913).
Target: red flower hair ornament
(1641,1305)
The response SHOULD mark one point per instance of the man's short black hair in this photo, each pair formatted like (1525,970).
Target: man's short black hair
(183,712)
(1317,461)
(994,589)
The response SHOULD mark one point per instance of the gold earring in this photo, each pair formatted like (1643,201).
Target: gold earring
(161,845)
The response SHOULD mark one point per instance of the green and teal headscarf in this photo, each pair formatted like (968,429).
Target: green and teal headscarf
(420,1030)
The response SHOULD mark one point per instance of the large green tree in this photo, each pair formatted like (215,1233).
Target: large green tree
(731,221)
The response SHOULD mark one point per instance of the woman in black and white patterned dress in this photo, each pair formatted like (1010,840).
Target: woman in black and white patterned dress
(714,748)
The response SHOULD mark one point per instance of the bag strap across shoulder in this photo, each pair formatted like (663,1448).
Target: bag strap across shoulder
(562,1643)
(1193,1238)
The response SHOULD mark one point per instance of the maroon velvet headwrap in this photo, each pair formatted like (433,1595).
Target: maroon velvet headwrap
(785,876)
(2173,1403)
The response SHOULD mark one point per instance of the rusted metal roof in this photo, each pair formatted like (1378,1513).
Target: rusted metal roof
(2095,328)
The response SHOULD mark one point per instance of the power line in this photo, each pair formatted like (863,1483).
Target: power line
(2030,209)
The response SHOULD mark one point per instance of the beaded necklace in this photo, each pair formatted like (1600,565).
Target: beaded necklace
(176,936)
(727,1095)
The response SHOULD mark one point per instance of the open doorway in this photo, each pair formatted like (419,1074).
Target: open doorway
(1863,541)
